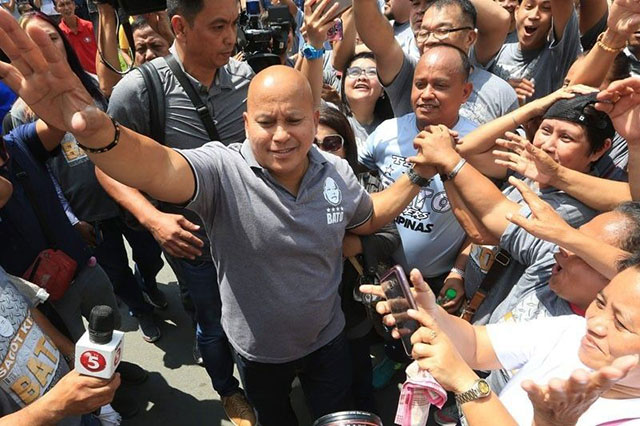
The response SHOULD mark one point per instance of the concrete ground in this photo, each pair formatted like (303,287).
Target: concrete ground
(179,392)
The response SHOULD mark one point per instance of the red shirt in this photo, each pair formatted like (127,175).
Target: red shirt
(83,42)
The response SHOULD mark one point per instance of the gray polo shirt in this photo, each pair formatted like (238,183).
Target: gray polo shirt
(491,97)
(227,96)
(278,256)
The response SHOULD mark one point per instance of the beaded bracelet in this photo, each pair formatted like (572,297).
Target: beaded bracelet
(606,48)
(114,142)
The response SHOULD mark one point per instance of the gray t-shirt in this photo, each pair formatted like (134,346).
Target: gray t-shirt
(491,97)
(431,236)
(227,97)
(31,364)
(278,256)
(522,252)
(547,67)
(404,36)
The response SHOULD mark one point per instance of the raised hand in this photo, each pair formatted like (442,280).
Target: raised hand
(621,101)
(624,17)
(317,22)
(435,148)
(524,158)
(436,354)
(544,223)
(562,402)
(524,88)
(424,297)
(41,76)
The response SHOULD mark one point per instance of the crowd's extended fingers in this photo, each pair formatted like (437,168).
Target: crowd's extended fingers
(372,289)
(535,392)
(528,195)
(421,350)
(578,382)
(424,334)
(507,159)
(557,390)
(512,145)
(631,84)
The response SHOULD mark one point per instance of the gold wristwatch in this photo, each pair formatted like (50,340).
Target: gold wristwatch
(480,389)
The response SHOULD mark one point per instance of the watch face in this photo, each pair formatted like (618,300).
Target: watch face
(483,387)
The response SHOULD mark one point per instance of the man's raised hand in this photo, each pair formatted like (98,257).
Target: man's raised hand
(40,75)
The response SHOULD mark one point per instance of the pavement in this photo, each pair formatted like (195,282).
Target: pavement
(178,391)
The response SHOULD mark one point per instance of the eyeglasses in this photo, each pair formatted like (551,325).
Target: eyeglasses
(330,143)
(355,72)
(439,34)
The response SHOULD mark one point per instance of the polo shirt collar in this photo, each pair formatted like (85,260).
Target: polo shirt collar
(222,79)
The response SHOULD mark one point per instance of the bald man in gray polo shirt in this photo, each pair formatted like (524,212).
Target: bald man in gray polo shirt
(279,209)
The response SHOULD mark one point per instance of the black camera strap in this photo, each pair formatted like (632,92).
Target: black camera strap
(201,108)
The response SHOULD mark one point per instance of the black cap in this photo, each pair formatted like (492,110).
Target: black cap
(101,324)
(580,110)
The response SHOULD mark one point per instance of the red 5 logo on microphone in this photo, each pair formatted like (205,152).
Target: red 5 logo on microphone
(93,361)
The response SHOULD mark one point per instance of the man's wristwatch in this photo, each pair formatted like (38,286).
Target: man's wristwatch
(417,179)
(310,52)
(480,389)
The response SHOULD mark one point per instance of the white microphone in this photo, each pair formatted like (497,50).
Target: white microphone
(99,350)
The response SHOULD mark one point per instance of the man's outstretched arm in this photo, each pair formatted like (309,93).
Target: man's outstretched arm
(42,78)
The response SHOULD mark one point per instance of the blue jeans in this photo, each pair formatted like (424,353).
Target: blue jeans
(325,376)
(112,256)
(201,280)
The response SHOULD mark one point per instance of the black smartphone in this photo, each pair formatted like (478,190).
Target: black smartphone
(398,293)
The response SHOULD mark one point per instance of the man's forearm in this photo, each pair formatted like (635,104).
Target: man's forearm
(483,199)
(35,414)
(600,256)
(493,26)
(108,45)
(49,136)
(389,203)
(164,174)
(597,193)
(129,198)
(65,345)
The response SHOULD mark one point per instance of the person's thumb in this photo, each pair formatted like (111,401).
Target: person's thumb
(424,296)
(189,226)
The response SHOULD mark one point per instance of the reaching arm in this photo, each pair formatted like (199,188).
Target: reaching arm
(388,204)
(533,163)
(57,96)
(108,45)
(65,345)
(591,11)
(546,224)
(623,21)
(472,226)
(493,26)
(317,24)
(172,231)
(483,199)
(376,32)
(561,11)
(484,137)
(344,49)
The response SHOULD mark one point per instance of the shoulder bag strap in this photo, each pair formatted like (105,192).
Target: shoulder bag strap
(203,111)
(28,189)
(157,114)
(500,263)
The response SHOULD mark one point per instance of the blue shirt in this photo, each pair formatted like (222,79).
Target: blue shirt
(21,234)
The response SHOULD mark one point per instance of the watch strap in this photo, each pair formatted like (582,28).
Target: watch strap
(310,52)
(417,179)
(480,389)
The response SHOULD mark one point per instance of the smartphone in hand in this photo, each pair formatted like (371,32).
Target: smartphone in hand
(396,288)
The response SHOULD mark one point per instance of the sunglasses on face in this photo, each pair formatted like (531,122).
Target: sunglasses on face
(330,143)
(355,72)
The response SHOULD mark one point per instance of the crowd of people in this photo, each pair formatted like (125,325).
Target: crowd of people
(489,147)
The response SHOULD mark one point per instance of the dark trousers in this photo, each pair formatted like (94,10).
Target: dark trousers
(201,281)
(112,256)
(325,376)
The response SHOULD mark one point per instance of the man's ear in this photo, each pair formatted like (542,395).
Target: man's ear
(599,153)
(179,24)
(467,89)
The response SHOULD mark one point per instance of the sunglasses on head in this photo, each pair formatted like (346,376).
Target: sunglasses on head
(330,143)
